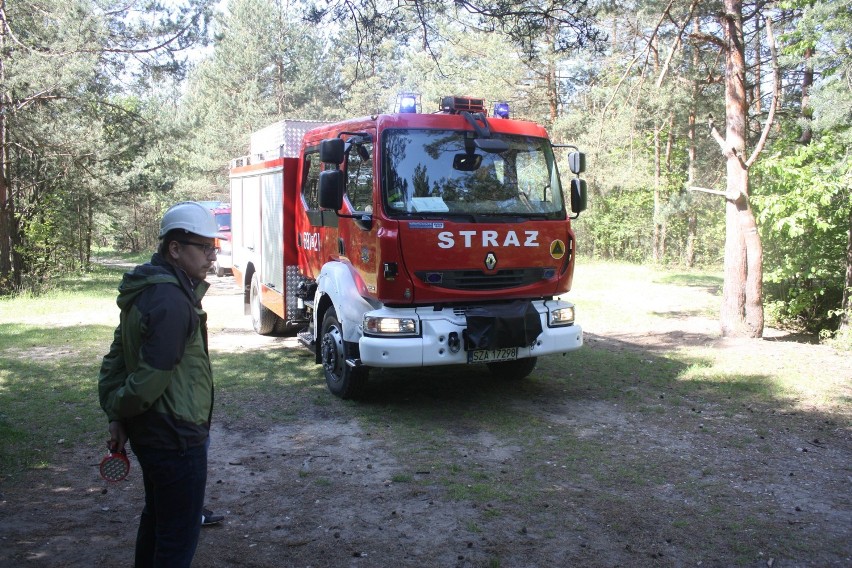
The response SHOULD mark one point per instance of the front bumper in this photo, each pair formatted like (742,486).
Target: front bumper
(432,346)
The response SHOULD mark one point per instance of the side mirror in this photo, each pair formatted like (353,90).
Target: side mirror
(579,195)
(331,151)
(577,162)
(331,189)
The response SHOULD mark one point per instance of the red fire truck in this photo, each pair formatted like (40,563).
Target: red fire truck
(409,239)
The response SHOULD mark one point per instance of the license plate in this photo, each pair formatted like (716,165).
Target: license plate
(492,355)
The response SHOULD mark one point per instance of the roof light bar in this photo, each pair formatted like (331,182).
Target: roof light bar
(455,105)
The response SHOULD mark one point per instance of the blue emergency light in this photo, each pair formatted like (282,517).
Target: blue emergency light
(501,109)
(407,102)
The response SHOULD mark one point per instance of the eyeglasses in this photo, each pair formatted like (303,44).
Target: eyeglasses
(207,249)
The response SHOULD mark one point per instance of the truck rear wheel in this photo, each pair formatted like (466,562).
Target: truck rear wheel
(342,380)
(262,318)
(513,370)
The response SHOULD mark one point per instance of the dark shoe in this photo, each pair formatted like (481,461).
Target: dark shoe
(208,518)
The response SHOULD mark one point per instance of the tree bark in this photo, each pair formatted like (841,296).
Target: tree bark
(807,83)
(692,215)
(846,304)
(656,246)
(552,83)
(5,190)
(742,292)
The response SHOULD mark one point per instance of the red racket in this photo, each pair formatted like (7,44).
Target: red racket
(115,466)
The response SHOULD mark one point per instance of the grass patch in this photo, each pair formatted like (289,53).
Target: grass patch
(702,279)
(599,430)
(48,389)
(49,365)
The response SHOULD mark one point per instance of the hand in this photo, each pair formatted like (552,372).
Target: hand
(117,437)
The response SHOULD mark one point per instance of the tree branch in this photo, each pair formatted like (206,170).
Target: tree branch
(676,44)
(776,94)
(635,59)
(705,190)
(734,196)
(709,38)
(727,151)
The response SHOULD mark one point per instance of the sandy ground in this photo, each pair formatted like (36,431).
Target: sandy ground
(323,490)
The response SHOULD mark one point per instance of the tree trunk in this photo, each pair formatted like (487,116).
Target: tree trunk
(5,190)
(807,83)
(552,82)
(657,198)
(692,215)
(846,305)
(742,292)
(755,90)
(90,223)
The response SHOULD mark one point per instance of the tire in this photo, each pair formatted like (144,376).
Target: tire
(262,318)
(342,380)
(513,370)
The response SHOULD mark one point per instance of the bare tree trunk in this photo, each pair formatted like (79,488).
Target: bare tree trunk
(670,141)
(756,99)
(5,190)
(692,215)
(846,305)
(742,292)
(807,82)
(552,84)
(691,232)
(5,206)
(657,198)
(90,224)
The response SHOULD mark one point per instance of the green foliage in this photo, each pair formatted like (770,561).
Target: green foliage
(801,195)
(616,226)
(78,139)
(266,64)
(102,139)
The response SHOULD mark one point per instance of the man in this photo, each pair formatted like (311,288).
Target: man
(156,384)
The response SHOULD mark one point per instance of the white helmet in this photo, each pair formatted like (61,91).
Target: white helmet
(190,216)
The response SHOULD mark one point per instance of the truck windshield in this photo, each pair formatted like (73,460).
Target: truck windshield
(443,173)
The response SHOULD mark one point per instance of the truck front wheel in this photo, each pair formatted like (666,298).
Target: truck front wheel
(513,370)
(342,380)
(262,318)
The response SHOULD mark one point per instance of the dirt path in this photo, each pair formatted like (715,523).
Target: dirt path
(658,485)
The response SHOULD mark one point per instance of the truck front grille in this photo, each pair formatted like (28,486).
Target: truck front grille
(479,280)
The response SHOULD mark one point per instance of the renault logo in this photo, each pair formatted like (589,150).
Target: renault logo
(490,261)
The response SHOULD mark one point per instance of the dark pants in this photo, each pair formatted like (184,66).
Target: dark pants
(174,495)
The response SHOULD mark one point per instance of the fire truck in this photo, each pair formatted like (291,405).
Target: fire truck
(222,242)
(409,239)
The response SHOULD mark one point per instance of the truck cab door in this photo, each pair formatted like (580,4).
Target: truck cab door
(356,230)
(317,229)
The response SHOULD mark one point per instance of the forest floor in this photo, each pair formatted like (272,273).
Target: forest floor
(546,472)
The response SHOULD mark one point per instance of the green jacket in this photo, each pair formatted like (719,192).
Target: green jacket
(156,377)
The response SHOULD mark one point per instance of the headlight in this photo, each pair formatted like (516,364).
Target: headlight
(376,325)
(561,317)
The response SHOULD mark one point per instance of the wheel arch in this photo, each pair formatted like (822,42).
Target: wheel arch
(340,285)
(247,275)
(321,306)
